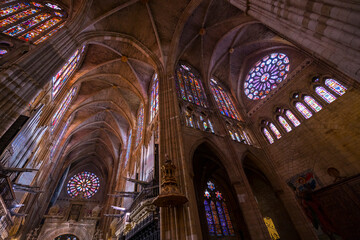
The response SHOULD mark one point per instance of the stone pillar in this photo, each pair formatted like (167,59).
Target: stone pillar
(175,222)
(327,29)
(22,80)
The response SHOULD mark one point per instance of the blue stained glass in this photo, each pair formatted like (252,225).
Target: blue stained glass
(265,75)
(189,86)
(335,86)
(209,218)
(223,222)
(154,102)
(84,184)
(62,109)
(324,94)
(211,185)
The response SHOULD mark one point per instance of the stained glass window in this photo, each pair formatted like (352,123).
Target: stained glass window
(154,98)
(62,109)
(66,237)
(275,130)
(303,110)
(65,72)
(268,135)
(265,75)
(324,94)
(271,228)
(189,86)
(54,147)
(3,52)
(31,22)
(128,148)
(84,184)
(53,6)
(292,118)
(140,124)
(284,123)
(335,86)
(312,103)
(224,101)
(217,213)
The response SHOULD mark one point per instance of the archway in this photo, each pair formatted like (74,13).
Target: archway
(220,217)
(271,207)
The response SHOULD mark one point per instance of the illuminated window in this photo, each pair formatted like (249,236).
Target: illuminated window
(324,94)
(62,109)
(265,75)
(154,102)
(84,184)
(54,147)
(32,21)
(284,123)
(140,125)
(128,148)
(312,103)
(271,228)
(217,213)
(189,86)
(268,135)
(275,130)
(292,118)
(65,72)
(66,237)
(223,101)
(3,52)
(335,86)
(303,110)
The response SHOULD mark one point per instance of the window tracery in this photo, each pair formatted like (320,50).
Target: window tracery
(217,213)
(84,184)
(270,131)
(265,75)
(140,125)
(198,121)
(154,102)
(128,148)
(60,78)
(223,100)
(189,85)
(62,109)
(31,21)
(238,134)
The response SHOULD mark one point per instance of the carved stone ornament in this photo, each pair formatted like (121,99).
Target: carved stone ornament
(170,194)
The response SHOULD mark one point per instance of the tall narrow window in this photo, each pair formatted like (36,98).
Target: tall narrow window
(54,147)
(335,86)
(140,125)
(154,98)
(275,130)
(62,109)
(292,118)
(65,72)
(284,123)
(324,94)
(268,135)
(32,21)
(303,110)
(224,101)
(217,213)
(189,86)
(265,75)
(128,148)
(312,103)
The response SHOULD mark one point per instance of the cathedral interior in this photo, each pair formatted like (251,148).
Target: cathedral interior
(179,120)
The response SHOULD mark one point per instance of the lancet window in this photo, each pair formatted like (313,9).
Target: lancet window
(268,135)
(189,86)
(238,134)
(128,148)
(335,86)
(140,126)
(61,135)
(292,118)
(325,94)
(217,213)
(265,75)
(31,21)
(223,100)
(154,101)
(270,131)
(303,110)
(60,78)
(198,121)
(312,103)
(62,109)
